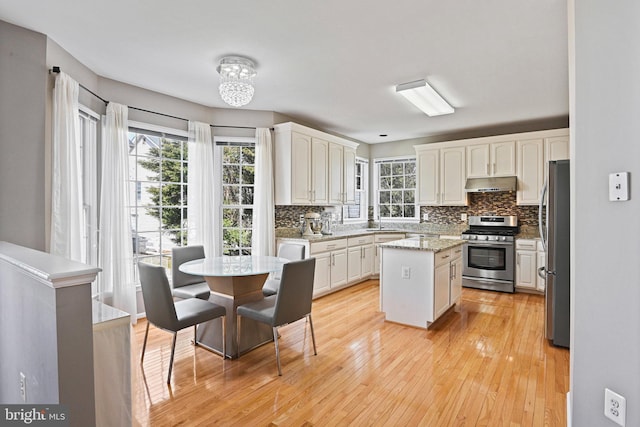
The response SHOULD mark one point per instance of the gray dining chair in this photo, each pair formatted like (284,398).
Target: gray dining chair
(172,316)
(290,251)
(291,303)
(187,285)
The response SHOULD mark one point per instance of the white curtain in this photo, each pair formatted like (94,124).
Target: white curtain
(66,186)
(201,188)
(116,284)
(264,237)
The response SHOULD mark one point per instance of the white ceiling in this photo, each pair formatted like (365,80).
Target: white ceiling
(331,62)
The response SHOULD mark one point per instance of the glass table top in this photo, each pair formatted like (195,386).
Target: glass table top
(245,265)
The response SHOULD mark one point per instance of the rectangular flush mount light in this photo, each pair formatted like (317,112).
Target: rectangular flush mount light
(423,96)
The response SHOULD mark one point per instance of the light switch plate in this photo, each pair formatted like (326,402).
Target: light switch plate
(619,186)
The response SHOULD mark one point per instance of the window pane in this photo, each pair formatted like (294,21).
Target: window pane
(385,210)
(248,174)
(230,195)
(396,197)
(247,218)
(410,168)
(410,181)
(385,183)
(409,211)
(397,169)
(231,174)
(385,196)
(398,182)
(247,195)
(230,217)
(409,196)
(231,155)
(248,155)
(385,169)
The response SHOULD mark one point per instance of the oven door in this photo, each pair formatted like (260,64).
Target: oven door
(494,261)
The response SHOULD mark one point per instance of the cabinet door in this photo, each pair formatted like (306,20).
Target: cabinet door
(556,148)
(456,281)
(354,264)
(441,290)
(530,171)
(300,168)
(478,161)
(540,282)
(367,261)
(336,164)
(339,268)
(319,171)
(428,177)
(349,176)
(452,175)
(322,277)
(503,158)
(526,269)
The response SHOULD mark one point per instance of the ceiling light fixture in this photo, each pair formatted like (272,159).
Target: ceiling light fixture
(236,80)
(423,96)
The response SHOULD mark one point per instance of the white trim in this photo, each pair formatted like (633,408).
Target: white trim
(379,160)
(217,139)
(160,129)
(88,111)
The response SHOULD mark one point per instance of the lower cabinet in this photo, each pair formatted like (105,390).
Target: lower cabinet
(382,238)
(359,258)
(529,256)
(331,265)
(456,275)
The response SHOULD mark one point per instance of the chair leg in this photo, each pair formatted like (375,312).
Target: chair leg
(173,350)
(313,336)
(224,337)
(195,335)
(144,344)
(238,336)
(275,340)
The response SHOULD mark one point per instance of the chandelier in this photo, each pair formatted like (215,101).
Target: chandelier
(236,80)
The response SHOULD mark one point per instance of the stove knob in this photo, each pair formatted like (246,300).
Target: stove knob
(503,238)
(482,237)
(474,237)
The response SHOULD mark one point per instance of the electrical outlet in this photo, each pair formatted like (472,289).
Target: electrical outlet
(425,216)
(23,387)
(463,217)
(406,272)
(615,407)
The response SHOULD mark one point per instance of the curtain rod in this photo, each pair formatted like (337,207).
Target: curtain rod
(56,70)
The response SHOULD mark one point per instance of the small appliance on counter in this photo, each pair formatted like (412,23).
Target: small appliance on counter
(313,224)
(327,219)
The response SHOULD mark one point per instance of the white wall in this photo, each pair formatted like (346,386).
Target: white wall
(605,116)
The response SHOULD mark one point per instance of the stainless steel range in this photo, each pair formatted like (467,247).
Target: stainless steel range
(489,253)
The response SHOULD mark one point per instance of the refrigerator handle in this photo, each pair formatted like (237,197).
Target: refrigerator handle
(540,224)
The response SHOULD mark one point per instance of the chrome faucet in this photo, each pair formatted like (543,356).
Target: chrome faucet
(379,222)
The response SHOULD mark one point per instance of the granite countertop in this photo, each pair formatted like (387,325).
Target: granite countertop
(528,232)
(434,229)
(422,244)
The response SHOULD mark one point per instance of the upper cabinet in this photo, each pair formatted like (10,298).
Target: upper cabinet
(312,167)
(441,175)
(530,171)
(491,159)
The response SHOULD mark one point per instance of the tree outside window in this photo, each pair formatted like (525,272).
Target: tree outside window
(396,196)
(238,170)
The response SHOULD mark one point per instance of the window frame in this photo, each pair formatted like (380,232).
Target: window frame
(219,142)
(376,189)
(364,195)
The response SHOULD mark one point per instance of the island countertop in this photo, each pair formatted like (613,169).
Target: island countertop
(423,244)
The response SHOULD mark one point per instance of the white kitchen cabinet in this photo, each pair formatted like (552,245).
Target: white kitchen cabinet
(455,292)
(495,159)
(312,167)
(382,238)
(442,284)
(342,174)
(530,156)
(441,176)
(360,258)
(331,265)
(556,148)
(526,264)
(541,262)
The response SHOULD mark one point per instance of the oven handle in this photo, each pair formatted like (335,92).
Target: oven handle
(489,244)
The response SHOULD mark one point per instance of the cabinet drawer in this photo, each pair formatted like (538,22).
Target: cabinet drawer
(526,244)
(442,257)
(360,240)
(382,238)
(456,252)
(329,245)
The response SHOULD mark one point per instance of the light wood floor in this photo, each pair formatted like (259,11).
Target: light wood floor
(487,365)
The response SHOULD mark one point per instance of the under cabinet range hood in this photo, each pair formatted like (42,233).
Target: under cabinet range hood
(491,184)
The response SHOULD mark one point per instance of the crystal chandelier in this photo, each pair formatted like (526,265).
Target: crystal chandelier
(236,80)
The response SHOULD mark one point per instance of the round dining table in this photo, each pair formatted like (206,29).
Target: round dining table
(233,281)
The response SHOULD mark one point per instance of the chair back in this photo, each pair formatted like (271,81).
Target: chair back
(293,300)
(290,251)
(156,293)
(180,256)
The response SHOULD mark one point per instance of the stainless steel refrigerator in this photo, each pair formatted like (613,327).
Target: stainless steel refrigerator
(554,230)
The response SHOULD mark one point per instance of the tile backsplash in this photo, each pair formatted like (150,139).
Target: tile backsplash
(499,203)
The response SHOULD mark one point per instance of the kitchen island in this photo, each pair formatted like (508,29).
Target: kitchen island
(420,279)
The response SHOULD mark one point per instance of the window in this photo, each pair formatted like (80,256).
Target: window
(358,211)
(158,194)
(396,189)
(238,170)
